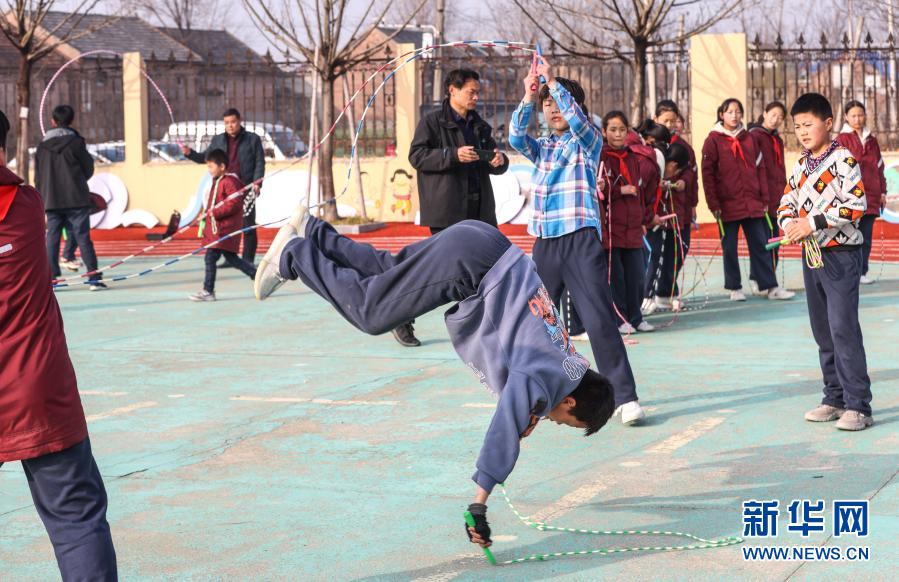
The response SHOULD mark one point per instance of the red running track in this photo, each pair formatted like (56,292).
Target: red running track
(120,242)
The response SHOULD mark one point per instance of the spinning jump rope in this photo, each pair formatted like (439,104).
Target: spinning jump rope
(404,60)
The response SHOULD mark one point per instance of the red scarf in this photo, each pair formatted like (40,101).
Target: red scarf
(622,167)
(7,195)
(778,150)
(736,148)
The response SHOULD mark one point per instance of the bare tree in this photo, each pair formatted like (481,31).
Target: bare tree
(324,26)
(184,15)
(629,30)
(22,23)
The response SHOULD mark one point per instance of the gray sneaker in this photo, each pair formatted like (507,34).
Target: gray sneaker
(203,295)
(268,279)
(854,420)
(824,413)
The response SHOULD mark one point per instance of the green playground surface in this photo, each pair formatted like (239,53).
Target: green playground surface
(272,441)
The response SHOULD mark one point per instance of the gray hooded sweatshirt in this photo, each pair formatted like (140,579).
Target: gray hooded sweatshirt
(511,336)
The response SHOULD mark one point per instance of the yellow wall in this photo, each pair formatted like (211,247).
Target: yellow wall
(718,70)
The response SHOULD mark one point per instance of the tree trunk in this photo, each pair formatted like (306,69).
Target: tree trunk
(23,99)
(326,153)
(638,99)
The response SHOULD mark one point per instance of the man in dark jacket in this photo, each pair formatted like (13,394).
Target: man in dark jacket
(450,152)
(42,422)
(62,168)
(246,158)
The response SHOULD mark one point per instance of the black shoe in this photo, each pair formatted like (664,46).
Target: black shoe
(98,286)
(405,335)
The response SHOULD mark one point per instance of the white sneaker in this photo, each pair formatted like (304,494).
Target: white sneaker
(754,287)
(662,302)
(865,280)
(581,337)
(268,279)
(648,307)
(631,412)
(71,265)
(737,295)
(780,293)
(645,326)
(626,329)
(203,295)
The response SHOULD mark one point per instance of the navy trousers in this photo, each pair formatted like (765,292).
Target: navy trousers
(832,296)
(660,275)
(250,240)
(212,257)
(866,225)
(627,283)
(577,262)
(70,499)
(77,222)
(761,266)
(377,291)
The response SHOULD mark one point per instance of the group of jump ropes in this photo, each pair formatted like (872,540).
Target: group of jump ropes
(810,250)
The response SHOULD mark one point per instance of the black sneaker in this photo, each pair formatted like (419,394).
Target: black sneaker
(98,286)
(405,335)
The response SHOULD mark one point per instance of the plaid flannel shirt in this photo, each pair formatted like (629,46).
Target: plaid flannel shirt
(563,183)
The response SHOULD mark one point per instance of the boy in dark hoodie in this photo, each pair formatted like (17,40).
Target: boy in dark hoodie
(504,325)
(62,167)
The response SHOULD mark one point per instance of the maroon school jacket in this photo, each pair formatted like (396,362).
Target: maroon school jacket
(625,215)
(772,147)
(733,176)
(868,154)
(226,218)
(40,410)
(686,201)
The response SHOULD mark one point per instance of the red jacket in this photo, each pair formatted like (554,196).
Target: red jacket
(772,147)
(688,199)
(226,218)
(733,176)
(628,213)
(868,154)
(40,410)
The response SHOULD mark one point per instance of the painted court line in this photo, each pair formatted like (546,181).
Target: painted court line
(479,405)
(295,400)
(100,393)
(120,411)
(691,433)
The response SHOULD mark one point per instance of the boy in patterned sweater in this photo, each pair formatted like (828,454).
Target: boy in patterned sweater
(825,198)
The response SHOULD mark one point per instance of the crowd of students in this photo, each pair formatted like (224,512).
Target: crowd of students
(648,185)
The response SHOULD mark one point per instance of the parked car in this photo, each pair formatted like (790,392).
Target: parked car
(278,141)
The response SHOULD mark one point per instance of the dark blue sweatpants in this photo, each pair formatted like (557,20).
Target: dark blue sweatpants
(70,499)
(761,265)
(832,296)
(577,262)
(628,269)
(377,291)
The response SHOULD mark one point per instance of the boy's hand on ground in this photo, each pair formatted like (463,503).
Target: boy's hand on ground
(480,533)
(798,229)
(466,154)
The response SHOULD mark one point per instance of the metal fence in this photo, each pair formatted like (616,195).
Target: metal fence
(608,83)
(273,97)
(93,87)
(842,73)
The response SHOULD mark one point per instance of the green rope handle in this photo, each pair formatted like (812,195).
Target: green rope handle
(469,519)
(542,526)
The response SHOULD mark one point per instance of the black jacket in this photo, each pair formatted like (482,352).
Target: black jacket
(442,178)
(250,154)
(62,168)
